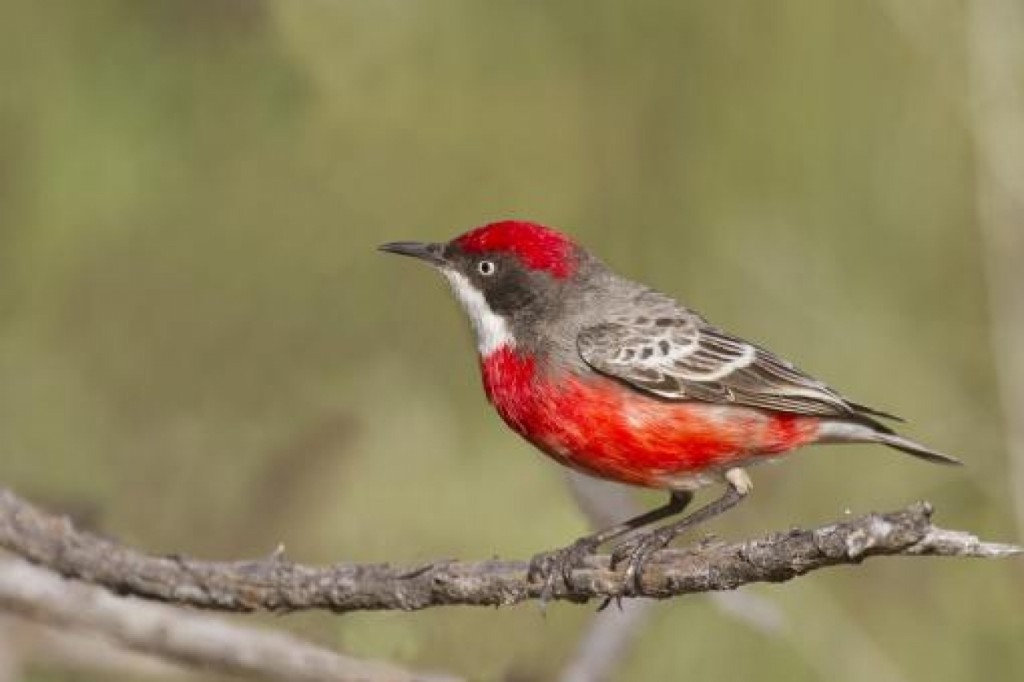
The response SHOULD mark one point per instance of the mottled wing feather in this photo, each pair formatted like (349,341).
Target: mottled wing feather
(682,357)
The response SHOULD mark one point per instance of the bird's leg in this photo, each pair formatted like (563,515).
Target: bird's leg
(637,551)
(548,565)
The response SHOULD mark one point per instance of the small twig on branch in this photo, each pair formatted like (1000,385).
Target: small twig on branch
(276,584)
(182,636)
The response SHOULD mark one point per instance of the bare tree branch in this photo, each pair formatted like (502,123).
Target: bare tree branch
(610,632)
(276,584)
(178,635)
(34,642)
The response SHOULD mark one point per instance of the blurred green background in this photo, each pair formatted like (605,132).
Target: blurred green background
(201,351)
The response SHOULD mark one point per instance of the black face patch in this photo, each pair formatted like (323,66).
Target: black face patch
(510,289)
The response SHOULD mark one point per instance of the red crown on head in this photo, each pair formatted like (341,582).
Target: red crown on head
(537,246)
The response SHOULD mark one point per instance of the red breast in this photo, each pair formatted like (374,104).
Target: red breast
(605,428)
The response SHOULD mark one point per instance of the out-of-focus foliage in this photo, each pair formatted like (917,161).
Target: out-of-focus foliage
(200,348)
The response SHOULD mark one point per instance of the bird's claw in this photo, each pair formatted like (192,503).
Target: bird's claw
(549,566)
(636,552)
(542,567)
(607,601)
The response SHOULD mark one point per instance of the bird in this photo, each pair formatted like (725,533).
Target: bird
(619,381)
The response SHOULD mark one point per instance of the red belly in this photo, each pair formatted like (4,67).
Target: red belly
(608,429)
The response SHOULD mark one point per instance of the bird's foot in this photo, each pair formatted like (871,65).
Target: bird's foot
(636,552)
(549,566)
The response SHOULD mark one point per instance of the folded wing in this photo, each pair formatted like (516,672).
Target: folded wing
(679,356)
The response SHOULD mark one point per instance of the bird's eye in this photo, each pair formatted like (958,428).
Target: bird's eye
(486,267)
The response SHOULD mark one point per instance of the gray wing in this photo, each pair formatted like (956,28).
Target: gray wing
(682,357)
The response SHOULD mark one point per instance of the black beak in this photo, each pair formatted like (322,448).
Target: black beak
(432,253)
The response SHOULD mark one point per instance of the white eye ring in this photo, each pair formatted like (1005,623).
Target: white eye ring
(486,268)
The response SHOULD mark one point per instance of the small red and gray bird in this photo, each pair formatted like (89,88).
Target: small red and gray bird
(619,381)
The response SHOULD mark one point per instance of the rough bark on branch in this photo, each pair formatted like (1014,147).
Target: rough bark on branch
(182,636)
(276,584)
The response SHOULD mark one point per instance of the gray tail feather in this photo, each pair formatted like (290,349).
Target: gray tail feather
(872,412)
(865,430)
(894,440)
